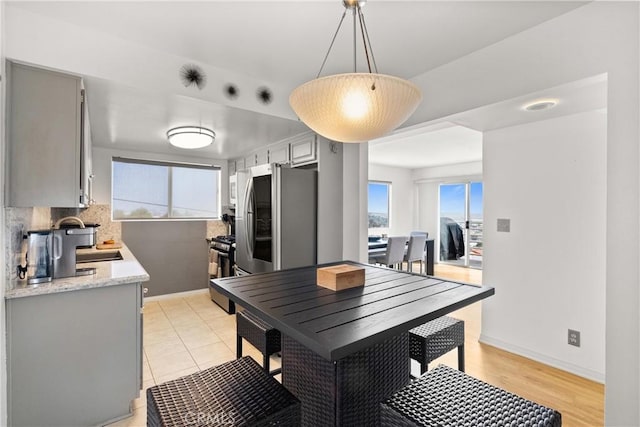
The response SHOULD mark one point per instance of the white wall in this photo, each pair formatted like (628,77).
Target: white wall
(401,218)
(330,201)
(354,201)
(600,37)
(427,212)
(549,179)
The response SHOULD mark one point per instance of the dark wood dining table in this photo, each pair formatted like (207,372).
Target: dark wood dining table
(344,352)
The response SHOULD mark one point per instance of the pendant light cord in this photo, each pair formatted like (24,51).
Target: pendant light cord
(332,42)
(365,41)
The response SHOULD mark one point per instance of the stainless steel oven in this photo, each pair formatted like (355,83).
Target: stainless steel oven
(224,246)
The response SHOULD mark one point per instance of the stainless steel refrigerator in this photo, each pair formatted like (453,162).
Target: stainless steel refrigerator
(276,218)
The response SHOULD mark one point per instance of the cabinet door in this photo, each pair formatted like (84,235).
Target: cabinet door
(262,157)
(279,154)
(44,335)
(240,165)
(232,167)
(250,161)
(303,151)
(44,137)
(233,189)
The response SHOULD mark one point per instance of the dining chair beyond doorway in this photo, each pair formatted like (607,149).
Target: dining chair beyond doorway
(415,250)
(394,255)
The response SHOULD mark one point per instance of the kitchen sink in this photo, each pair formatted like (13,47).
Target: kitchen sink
(98,256)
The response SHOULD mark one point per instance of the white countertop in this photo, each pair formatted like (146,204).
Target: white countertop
(108,273)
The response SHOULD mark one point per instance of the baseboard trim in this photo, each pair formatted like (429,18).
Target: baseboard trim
(177,295)
(538,357)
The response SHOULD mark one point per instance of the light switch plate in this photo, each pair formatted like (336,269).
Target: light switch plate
(504,225)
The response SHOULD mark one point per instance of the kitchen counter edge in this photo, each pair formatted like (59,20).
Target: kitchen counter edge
(108,273)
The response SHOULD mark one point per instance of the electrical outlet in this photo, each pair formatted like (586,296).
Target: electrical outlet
(574,338)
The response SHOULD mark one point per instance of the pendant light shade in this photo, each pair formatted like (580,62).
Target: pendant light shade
(355,107)
(190,137)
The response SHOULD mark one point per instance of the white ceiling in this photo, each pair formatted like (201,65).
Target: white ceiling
(279,44)
(444,145)
(458,138)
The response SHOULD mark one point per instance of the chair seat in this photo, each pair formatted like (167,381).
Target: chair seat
(236,393)
(260,334)
(431,340)
(447,397)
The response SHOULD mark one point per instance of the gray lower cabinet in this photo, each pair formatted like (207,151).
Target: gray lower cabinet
(74,358)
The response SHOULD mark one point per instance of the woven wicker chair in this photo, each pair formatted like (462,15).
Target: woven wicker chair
(447,397)
(260,334)
(433,339)
(236,393)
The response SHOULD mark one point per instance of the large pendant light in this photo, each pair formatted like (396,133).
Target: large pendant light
(355,107)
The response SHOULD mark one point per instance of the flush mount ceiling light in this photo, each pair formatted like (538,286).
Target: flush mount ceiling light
(541,104)
(190,137)
(355,107)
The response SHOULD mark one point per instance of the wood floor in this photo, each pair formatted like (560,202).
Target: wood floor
(580,401)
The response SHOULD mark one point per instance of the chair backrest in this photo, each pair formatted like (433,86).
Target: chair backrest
(417,233)
(395,249)
(415,251)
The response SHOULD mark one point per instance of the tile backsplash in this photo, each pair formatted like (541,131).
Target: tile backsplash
(94,214)
(216,228)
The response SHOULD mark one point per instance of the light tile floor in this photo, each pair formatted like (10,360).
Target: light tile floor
(182,335)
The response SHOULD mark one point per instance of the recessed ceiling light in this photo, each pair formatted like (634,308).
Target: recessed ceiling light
(541,104)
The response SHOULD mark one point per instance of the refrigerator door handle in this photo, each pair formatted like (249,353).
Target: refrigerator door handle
(249,218)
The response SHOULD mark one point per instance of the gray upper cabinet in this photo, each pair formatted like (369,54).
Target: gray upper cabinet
(250,161)
(304,150)
(240,165)
(279,154)
(262,157)
(47,153)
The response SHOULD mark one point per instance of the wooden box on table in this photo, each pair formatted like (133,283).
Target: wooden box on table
(339,277)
